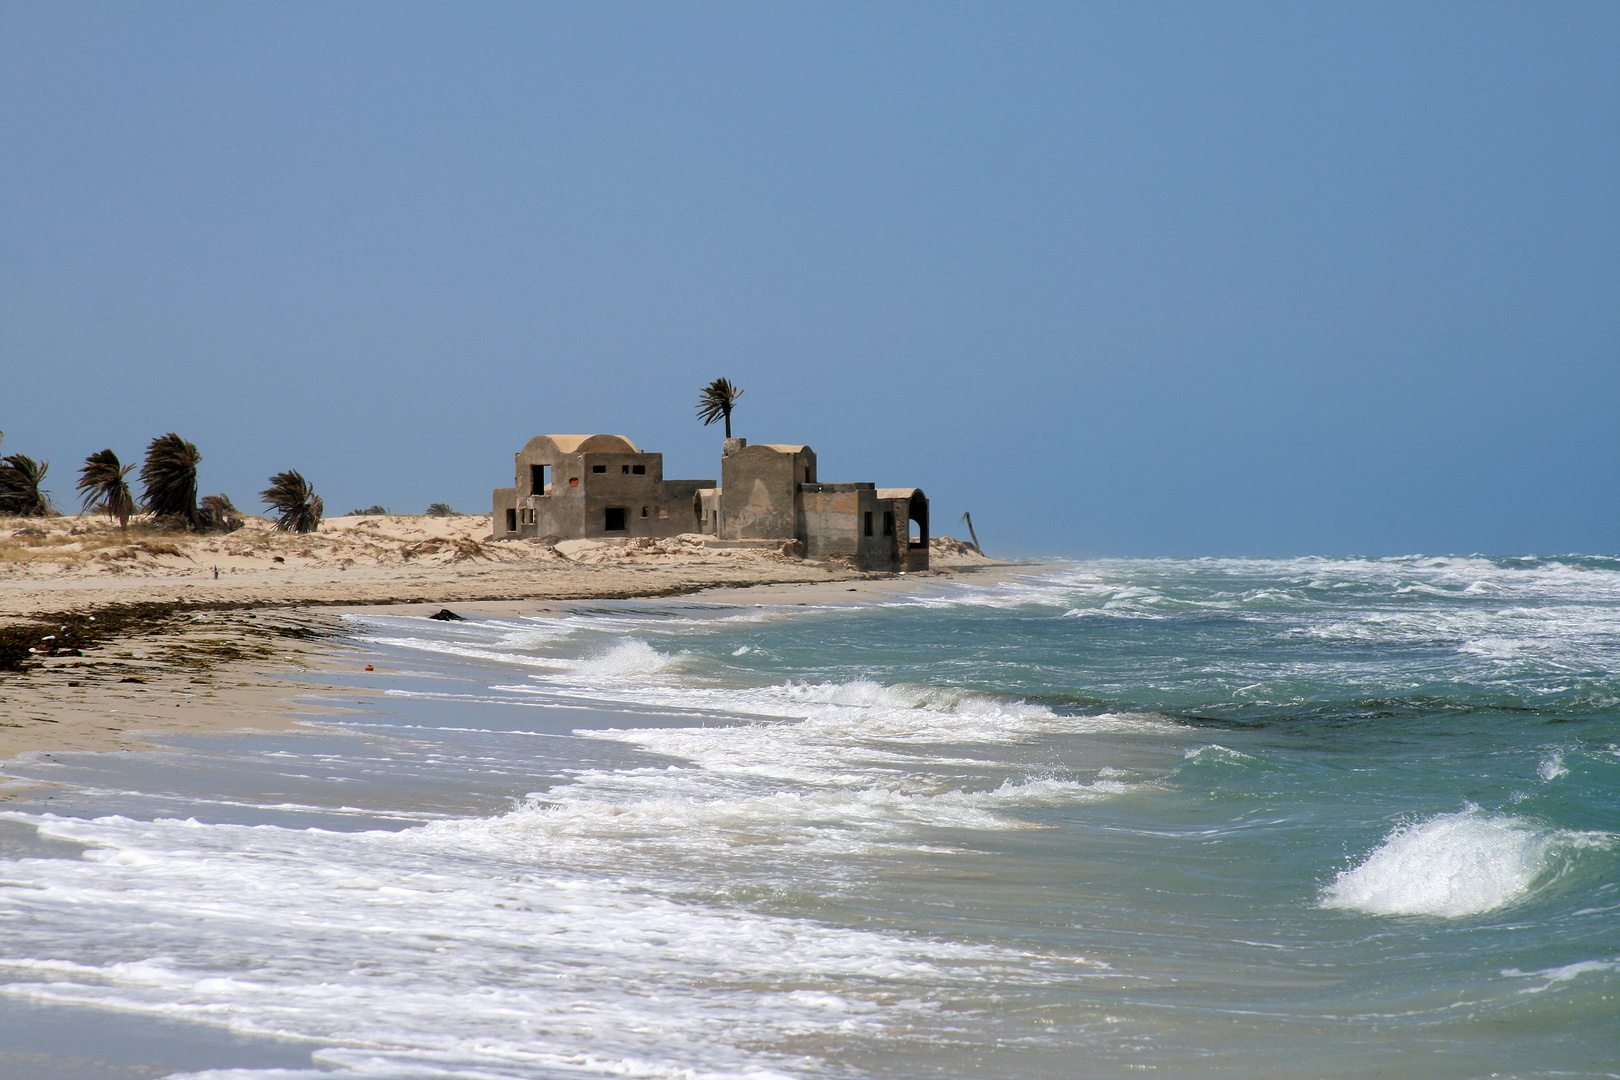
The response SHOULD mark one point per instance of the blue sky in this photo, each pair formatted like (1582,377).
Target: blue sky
(1176,279)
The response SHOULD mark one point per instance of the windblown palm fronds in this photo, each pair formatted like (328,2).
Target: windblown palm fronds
(104,483)
(375,510)
(20,494)
(440,510)
(292,497)
(219,514)
(715,402)
(170,477)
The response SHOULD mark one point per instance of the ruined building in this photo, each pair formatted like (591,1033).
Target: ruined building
(600,487)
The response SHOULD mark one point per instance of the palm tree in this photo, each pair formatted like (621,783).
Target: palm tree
(102,481)
(170,477)
(441,510)
(20,494)
(299,506)
(219,514)
(716,402)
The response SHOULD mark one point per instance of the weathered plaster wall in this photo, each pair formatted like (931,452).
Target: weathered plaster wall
(769,492)
(586,478)
(830,519)
(760,487)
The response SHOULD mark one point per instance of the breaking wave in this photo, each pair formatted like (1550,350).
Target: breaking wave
(1454,865)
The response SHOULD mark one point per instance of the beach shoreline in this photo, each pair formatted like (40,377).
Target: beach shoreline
(585,809)
(179,651)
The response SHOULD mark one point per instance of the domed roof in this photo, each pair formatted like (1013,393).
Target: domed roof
(585,444)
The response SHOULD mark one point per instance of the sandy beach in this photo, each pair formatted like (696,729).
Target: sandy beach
(108,636)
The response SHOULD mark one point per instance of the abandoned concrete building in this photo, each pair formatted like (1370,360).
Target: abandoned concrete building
(600,487)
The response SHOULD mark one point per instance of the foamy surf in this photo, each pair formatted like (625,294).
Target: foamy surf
(449,951)
(956,835)
(1453,865)
(1551,978)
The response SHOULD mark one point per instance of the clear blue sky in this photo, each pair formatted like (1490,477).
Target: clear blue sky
(1179,279)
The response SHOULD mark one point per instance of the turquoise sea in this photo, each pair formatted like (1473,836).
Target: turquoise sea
(1209,818)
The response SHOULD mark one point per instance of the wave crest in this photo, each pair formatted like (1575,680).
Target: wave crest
(1453,865)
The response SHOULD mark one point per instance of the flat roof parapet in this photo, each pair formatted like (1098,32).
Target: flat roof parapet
(836,487)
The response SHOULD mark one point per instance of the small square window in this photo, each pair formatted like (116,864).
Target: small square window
(625,469)
(639,470)
(613,520)
(598,468)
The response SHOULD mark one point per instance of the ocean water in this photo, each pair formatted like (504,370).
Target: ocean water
(1224,818)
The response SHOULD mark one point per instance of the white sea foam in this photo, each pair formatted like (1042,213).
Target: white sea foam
(829,768)
(1537,615)
(468,651)
(527,942)
(853,713)
(447,949)
(1452,865)
(1551,977)
(1215,752)
(1552,767)
(848,765)
(627,661)
(647,820)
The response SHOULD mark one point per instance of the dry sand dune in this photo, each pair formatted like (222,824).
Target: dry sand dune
(62,564)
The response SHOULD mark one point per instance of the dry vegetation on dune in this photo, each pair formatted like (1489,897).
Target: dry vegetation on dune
(94,546)
(90,547)
(54,568)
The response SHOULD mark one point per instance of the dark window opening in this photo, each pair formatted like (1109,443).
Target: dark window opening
(511,520)
(528,515)
(639,470)
(615,519)
(888,523)
(625,469)
(537,479)
(598,468)
(643,511)
(869,523)
(807,474)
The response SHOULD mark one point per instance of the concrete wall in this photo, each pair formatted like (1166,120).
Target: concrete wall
(708,507)
(769,492)
(592,482)
(680,499)
(505,501)
(908,505)
(830,519)
(760,486)
(865,525)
